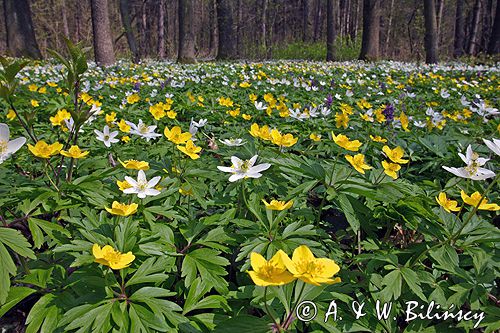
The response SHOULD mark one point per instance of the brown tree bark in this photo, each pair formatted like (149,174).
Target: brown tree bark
(127,26)
(226,45)
(439,17)
(330,31)
(458,44)
(64,17)
(161,29)
(371,30)
(430,40)
(494,44)
(186,35)
(21,40)
(473,40)
(305,20)
(263,27)
(103,44)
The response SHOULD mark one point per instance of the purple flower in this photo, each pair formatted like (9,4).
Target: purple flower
(137,86)
(389,113)
(328,100)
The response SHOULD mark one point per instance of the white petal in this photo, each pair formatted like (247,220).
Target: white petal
(252,161)
(130,190)
(226,169)
(236,161)
(141,177)
(493,145)
(141,195)
(236,177)
(260,167)
(460,172)
(131,181)
(154,181)
(151,191)
(4,132)
(15,144)
(254,175)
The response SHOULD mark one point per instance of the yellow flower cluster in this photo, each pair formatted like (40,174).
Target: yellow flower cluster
(281,269)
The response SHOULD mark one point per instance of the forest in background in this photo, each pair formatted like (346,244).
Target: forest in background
(260,29)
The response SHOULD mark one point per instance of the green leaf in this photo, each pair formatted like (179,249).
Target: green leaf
(16,241)
(351,207)
(393,282)
(16,294)
(7,268)
(411,278)
(209,265)
(149,271)
(243,324)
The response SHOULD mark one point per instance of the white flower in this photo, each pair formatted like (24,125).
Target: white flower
(143,130)
(233,142)
(473,169)
(7,147)
(244,169)
(259,105)
(142,187)
(107,137)
(493,145)
(200,123)
(445,93)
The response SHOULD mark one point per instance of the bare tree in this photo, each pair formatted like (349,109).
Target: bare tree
(127,26)
(458,44)
(476,13)
(494,44)
(330,31)
(186,37)
(21,39)
(161,29)
(371,30)
(430,41)
(225,26)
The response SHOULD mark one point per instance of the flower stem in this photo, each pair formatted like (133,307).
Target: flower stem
(267,308)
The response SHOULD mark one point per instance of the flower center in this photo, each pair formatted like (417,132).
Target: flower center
(142,185)
(112,256)
(245,166)
(3,147)
(106,137)
(143,129)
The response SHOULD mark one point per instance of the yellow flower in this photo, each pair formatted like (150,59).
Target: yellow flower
(254,130)
(245,84)
(344,142)
(278,205)
(269,273)
(110,117)
(187,191)
(74,152)
(108,256)
(135,165)
(171,114)
(134,98)
(176,136)
(474,198)
(403,118)
(125,138)
(286,140)
(309,269)
(315,137)
(44,150)
(122,209)
(358,162)
(34,103)
(448,204)
(32,87)
(252,97)
(59,118)
(378,138)
(341,120)
(123,185)
(190,149)
(395,154)
(391,169)
(157,111)
(246,116)
(12,115)
(124,127)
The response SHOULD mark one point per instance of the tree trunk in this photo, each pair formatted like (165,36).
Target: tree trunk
(439,17)
(127,26)
(371,30)
(458,44)
(494,44)
(263,27)
(103,44)
(430,40)
(330,31)
(239,23)
(225,26)
(389,26)
(186,37)
(64,17)
(21,40)
(354,22)
(305,21)
(161,30)
(471,49)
